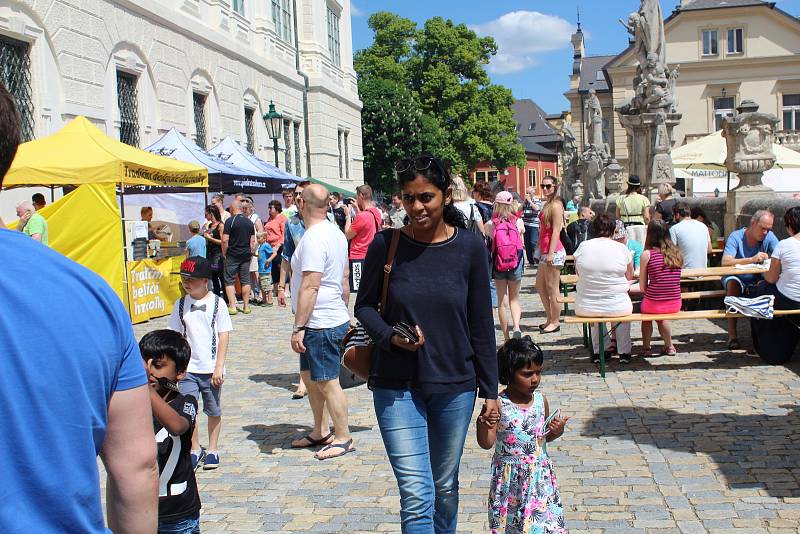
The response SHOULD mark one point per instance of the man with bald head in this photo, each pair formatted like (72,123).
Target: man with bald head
(319,279)
(238,245)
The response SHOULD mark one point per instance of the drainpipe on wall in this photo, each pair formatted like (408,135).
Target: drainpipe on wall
(305,91)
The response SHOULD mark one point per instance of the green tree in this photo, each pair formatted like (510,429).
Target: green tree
(463,116)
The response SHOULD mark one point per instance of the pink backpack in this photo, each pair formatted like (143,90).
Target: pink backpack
(505,244)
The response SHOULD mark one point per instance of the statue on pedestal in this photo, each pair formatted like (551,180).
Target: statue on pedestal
(749,137)
(569,159)
(651,115)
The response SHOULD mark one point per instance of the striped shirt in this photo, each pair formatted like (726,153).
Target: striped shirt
(663,283)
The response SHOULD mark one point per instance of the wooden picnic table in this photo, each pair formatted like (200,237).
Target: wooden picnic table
(707,273)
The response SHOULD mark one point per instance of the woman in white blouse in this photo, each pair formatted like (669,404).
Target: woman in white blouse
(605,268)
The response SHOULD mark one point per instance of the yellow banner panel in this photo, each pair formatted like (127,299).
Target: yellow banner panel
(152,289)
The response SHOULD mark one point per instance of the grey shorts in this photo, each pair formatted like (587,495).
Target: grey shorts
(199,386)
(240,266)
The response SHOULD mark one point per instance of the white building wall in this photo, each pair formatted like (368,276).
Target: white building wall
(176,47)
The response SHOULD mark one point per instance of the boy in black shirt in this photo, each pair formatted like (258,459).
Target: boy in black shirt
(166,354)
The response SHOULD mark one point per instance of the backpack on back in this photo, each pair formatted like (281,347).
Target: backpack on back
(505,245)
(472,224)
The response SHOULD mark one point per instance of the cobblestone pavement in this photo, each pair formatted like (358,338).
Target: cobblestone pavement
(706,441)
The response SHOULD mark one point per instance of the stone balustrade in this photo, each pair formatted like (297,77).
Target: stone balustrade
(788,139)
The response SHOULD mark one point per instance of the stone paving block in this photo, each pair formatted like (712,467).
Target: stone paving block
(705,441)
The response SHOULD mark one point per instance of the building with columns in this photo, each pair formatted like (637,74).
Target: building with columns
(206,67)
(725,51)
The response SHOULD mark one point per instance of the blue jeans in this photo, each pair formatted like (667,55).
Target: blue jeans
(531,237)
(189,525)
(424,438)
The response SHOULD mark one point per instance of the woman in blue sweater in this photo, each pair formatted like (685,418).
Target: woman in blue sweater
(424,391)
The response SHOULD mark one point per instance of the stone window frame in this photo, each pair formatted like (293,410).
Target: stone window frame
(703,54)
(333,19)
(201,83)
(242,8)
(25,28)
(298,162)
(128,61)
(728,30)
(283,20)
(715,112)
(793,109)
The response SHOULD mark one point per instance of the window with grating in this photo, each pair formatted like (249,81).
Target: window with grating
(200,119)
(297,164)
(249,129)
(15,74)
(347,155)
(287,145)
(127,101)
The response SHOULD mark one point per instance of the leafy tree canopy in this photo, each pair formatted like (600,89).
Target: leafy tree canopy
(427,90)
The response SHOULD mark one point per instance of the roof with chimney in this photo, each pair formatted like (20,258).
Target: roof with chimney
(532,126)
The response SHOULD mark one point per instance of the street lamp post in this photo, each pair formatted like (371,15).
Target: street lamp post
(274,122)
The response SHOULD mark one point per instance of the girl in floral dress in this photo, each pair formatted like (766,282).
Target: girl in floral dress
(524,496)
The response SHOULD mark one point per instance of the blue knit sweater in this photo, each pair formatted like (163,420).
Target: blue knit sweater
(443,288)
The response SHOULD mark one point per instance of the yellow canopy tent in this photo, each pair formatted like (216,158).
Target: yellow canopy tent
(84,225)
(80,154)
(92,239)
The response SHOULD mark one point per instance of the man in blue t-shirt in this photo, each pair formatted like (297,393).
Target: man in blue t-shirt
(73,387)
(753,244)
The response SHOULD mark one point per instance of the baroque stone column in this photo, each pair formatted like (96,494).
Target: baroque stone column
(649,145)
(748,137)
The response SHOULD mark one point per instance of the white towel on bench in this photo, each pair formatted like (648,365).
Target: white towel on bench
(761,307)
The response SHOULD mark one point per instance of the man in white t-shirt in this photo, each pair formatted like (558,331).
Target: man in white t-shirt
(691,237)
(319,302)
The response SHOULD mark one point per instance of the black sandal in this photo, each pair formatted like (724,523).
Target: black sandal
(345,447)
(313,442)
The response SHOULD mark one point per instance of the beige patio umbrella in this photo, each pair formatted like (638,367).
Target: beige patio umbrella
(709,153)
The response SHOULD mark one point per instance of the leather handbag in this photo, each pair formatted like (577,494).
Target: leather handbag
(357,346)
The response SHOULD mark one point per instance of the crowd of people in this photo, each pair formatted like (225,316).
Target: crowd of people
(429,270)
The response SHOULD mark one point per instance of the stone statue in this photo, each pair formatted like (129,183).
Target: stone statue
(656,86)
(652,22)
(595,114)
(569,158)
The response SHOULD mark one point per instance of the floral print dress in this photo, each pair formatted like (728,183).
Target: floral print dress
(524,496)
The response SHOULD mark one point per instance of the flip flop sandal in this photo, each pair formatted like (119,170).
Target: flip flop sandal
(345,448)
(669,351)
(297,396)
(313,442)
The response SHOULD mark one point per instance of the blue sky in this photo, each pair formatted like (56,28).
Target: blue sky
(535,58)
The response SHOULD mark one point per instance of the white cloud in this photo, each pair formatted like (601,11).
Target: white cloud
(355,11)
(522,36)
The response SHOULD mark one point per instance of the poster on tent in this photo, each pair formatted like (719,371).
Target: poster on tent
(152,288)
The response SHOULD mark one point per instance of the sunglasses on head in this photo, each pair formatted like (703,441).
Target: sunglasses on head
(419,164)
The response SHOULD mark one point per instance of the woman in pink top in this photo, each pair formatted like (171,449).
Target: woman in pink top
(276,232)
(660,281)
(553,255)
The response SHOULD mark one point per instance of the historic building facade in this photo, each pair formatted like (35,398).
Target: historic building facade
(209,68)
(725,51)
(541,143)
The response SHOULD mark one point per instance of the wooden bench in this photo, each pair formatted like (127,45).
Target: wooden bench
(688,295)
(636,317)
(572,279)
